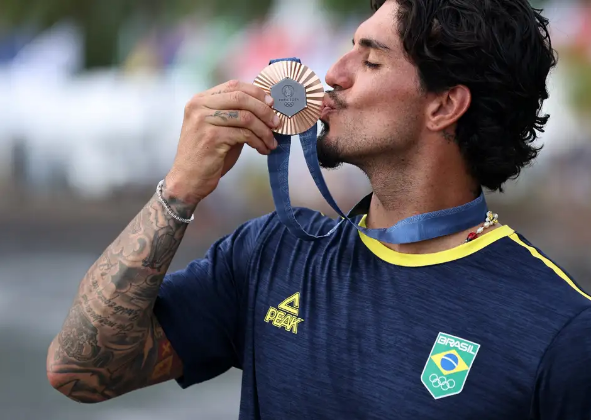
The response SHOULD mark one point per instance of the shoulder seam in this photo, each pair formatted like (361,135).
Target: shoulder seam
(566,324)
(260,238)
(551,265)
(264,233)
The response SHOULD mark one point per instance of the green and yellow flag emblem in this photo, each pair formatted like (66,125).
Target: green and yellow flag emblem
(448,365)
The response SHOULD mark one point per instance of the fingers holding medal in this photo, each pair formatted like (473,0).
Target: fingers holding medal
(250,112)
(217,124)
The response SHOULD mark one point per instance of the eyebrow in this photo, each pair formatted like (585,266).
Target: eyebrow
(373,44)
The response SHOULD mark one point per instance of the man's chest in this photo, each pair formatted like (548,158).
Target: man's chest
(342,349)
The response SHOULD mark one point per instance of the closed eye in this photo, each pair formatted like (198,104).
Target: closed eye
(371,65)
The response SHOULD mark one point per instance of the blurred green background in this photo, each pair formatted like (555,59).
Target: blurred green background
(91,104)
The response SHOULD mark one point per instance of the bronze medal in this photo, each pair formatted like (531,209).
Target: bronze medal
(298,95)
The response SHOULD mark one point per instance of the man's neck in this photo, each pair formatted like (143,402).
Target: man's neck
(419,189)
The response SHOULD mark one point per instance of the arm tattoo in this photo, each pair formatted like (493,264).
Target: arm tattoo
(110,343)
(78,338)
(226,115)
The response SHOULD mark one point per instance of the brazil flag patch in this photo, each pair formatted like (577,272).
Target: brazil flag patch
(448,365)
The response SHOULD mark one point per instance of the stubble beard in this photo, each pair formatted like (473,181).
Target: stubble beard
(329,154)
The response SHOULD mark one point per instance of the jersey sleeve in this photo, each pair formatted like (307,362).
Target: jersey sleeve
(563,386)
(199,307)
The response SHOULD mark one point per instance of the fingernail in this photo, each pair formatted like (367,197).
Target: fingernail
(275,144)
(269,100)
(276,120)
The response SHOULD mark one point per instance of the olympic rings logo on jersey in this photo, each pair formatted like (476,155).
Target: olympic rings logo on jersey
(441,382)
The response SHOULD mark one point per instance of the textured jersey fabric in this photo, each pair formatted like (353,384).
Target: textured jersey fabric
(345,328)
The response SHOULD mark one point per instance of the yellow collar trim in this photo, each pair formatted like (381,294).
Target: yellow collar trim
(420,260)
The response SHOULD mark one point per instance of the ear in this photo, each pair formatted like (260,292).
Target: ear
(446,108)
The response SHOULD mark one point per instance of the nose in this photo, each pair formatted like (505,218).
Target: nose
(339,76)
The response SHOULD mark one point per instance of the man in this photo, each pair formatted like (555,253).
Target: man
(436,99)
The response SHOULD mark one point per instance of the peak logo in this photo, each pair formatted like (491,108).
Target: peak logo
(286,315)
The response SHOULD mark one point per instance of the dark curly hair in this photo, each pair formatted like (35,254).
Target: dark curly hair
(501,50)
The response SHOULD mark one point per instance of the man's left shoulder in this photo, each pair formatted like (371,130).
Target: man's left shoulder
(547,278)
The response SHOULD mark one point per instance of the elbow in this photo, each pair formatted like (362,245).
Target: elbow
(75,389)
(78,384)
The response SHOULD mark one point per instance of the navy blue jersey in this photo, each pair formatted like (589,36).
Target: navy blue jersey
(345,328)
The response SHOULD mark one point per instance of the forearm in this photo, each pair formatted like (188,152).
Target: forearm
(108,343)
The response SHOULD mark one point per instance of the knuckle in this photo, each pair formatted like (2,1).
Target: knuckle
(245,133)
(192,105)
(197,119)
(209,134)
(247,118)
(189,106)
(238,97)
(233,84)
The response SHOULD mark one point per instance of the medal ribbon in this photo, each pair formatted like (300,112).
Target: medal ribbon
(413,229)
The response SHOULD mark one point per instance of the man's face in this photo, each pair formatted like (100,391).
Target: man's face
(378,103)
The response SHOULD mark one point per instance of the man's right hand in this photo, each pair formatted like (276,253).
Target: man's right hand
(216,126)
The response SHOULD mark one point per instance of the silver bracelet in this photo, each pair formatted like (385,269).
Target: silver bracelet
(167,206)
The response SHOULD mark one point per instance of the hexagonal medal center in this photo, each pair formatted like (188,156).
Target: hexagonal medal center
(290,97)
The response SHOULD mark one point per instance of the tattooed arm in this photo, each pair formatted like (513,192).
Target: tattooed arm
(111,343)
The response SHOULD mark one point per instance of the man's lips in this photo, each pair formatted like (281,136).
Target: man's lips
(328,106)
(326,110)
